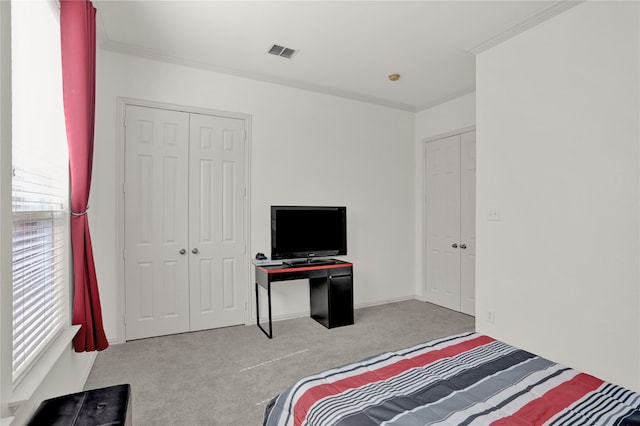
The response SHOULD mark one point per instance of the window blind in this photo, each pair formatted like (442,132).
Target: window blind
(39,262)
(40,188)
(40,235)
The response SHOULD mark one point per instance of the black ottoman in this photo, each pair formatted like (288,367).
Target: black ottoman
(106,406)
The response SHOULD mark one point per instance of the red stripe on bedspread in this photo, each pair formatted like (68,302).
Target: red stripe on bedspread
(552,402)
(313,394)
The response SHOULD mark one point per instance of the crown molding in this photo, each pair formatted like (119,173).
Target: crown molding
(545,14)
(448,98)
(141,52)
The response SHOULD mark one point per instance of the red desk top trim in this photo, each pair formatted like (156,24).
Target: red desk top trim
(305,268)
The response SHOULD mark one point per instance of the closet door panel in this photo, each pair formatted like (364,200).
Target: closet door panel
(468,222)
(442,183)
(216,217)
(156,222)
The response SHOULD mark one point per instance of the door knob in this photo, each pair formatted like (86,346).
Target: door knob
(454,245)
(194,251)
(463,246)
(182,251)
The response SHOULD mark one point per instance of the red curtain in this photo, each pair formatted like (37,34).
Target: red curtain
(78,40)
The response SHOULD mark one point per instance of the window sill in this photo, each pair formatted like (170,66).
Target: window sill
(30,383)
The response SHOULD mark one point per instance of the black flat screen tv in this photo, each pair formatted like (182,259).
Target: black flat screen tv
(308,232)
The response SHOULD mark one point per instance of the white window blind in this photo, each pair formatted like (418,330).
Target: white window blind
(39,276)
(40,188)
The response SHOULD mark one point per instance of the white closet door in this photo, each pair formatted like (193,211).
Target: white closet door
(468,223)
(443,222)
(156,222)
(216,222)
(184,222)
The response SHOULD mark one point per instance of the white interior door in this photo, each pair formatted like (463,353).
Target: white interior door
(216,221)
(156,222)
(442,183)
(450,246)
(185,222)
(468,223)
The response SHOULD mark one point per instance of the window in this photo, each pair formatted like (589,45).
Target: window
(40,183)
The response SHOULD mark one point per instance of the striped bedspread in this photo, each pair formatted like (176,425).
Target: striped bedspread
(468,379)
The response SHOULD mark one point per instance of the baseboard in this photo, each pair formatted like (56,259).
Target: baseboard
(304,314)
(282,317)
(421,298)
(384,302)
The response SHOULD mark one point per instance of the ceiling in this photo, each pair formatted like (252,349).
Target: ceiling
(343,48)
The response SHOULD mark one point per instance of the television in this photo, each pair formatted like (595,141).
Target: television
(308,232)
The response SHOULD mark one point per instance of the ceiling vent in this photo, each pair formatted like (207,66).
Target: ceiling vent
(282,51)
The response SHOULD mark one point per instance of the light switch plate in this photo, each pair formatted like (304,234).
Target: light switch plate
(493,214)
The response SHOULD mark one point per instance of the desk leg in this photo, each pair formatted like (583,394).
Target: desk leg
(270,333)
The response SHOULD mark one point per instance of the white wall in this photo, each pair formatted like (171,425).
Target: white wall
(557,147)
(449,116)
(307,148)
(456,114)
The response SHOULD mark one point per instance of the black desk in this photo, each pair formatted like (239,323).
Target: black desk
(330,291)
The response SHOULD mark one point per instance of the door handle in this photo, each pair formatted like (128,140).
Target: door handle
(182,251)
(463,246)
(194,251)
(454,245)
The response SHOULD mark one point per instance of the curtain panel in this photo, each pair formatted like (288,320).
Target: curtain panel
(78,40)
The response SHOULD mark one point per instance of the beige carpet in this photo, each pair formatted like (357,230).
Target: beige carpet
(226,376)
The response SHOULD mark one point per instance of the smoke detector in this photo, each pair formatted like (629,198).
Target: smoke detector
(284,52)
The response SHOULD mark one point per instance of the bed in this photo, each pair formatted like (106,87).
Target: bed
(466,379)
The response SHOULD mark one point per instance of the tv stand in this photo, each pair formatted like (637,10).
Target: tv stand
(330,290)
